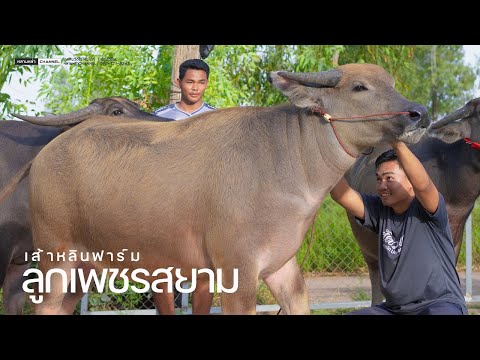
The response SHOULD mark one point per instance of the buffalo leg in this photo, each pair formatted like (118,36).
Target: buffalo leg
(243,300)
(164,301)
(202,298)
(288,287)
(52,300)
(72,298)
(13,294)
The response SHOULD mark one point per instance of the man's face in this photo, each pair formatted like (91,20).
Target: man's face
(393,185)
(193,85)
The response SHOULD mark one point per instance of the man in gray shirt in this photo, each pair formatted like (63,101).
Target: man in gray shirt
(416,253)
(192,81)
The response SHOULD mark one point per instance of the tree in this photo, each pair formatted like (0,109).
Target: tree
(440,80)
(138,72)
(239,74)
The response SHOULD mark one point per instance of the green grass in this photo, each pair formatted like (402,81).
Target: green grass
(340,311)
(361,295)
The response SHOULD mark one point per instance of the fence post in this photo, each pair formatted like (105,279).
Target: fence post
(468,259)
(84,305)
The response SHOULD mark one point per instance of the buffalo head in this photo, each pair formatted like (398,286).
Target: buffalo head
(110,106)
(462,123)
(362,101)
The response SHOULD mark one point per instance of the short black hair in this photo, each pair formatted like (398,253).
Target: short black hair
(389,155)
(196,64)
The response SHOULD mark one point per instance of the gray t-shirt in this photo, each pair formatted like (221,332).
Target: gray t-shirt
(173,112)
(416,255)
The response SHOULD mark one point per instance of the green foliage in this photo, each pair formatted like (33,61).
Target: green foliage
(239,74)
(138,72)
(439,79)
(432,75)
(8,54)
(397,60)
(110,301)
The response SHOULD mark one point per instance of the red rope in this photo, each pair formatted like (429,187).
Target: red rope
(370,116)
(474,144)
(340,142)
(330,119)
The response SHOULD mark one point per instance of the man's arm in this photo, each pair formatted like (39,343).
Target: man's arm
(424,188)
(351,200)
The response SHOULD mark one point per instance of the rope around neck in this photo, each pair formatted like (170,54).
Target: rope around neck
(330,119)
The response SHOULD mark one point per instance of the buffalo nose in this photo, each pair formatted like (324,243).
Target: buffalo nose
(415,115)
(419,113)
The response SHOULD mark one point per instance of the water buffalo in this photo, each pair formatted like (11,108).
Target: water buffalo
(20,142)
(232,189)
(454,167)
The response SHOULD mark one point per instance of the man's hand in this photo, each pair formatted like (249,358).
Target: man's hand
(396,144)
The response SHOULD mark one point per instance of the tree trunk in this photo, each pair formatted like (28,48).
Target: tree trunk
(181,53)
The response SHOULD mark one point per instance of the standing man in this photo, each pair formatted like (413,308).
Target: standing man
(416,254)
(192,81)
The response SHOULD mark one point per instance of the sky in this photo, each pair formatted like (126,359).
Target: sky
(23,94)
(472,52)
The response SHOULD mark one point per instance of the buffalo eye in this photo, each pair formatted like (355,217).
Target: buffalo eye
(117,113)
(359,88)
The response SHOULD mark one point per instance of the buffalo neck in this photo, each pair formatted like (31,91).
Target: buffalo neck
(316,158)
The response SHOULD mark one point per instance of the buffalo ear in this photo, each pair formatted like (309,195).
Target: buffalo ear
(304,89)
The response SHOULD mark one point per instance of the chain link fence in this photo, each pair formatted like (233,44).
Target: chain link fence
(335,271)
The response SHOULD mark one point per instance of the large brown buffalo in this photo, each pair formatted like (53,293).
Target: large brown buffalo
(233,189)
(20,142)
(453,165)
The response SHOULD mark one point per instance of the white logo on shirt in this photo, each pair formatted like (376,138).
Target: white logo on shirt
(393,246)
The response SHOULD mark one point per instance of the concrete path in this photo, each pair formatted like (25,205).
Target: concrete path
(357,288)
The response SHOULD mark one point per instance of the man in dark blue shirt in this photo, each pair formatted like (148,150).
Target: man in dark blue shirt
(416,253)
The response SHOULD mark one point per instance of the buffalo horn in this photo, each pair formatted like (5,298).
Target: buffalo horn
(461,113)
(71,118)
(328,78)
